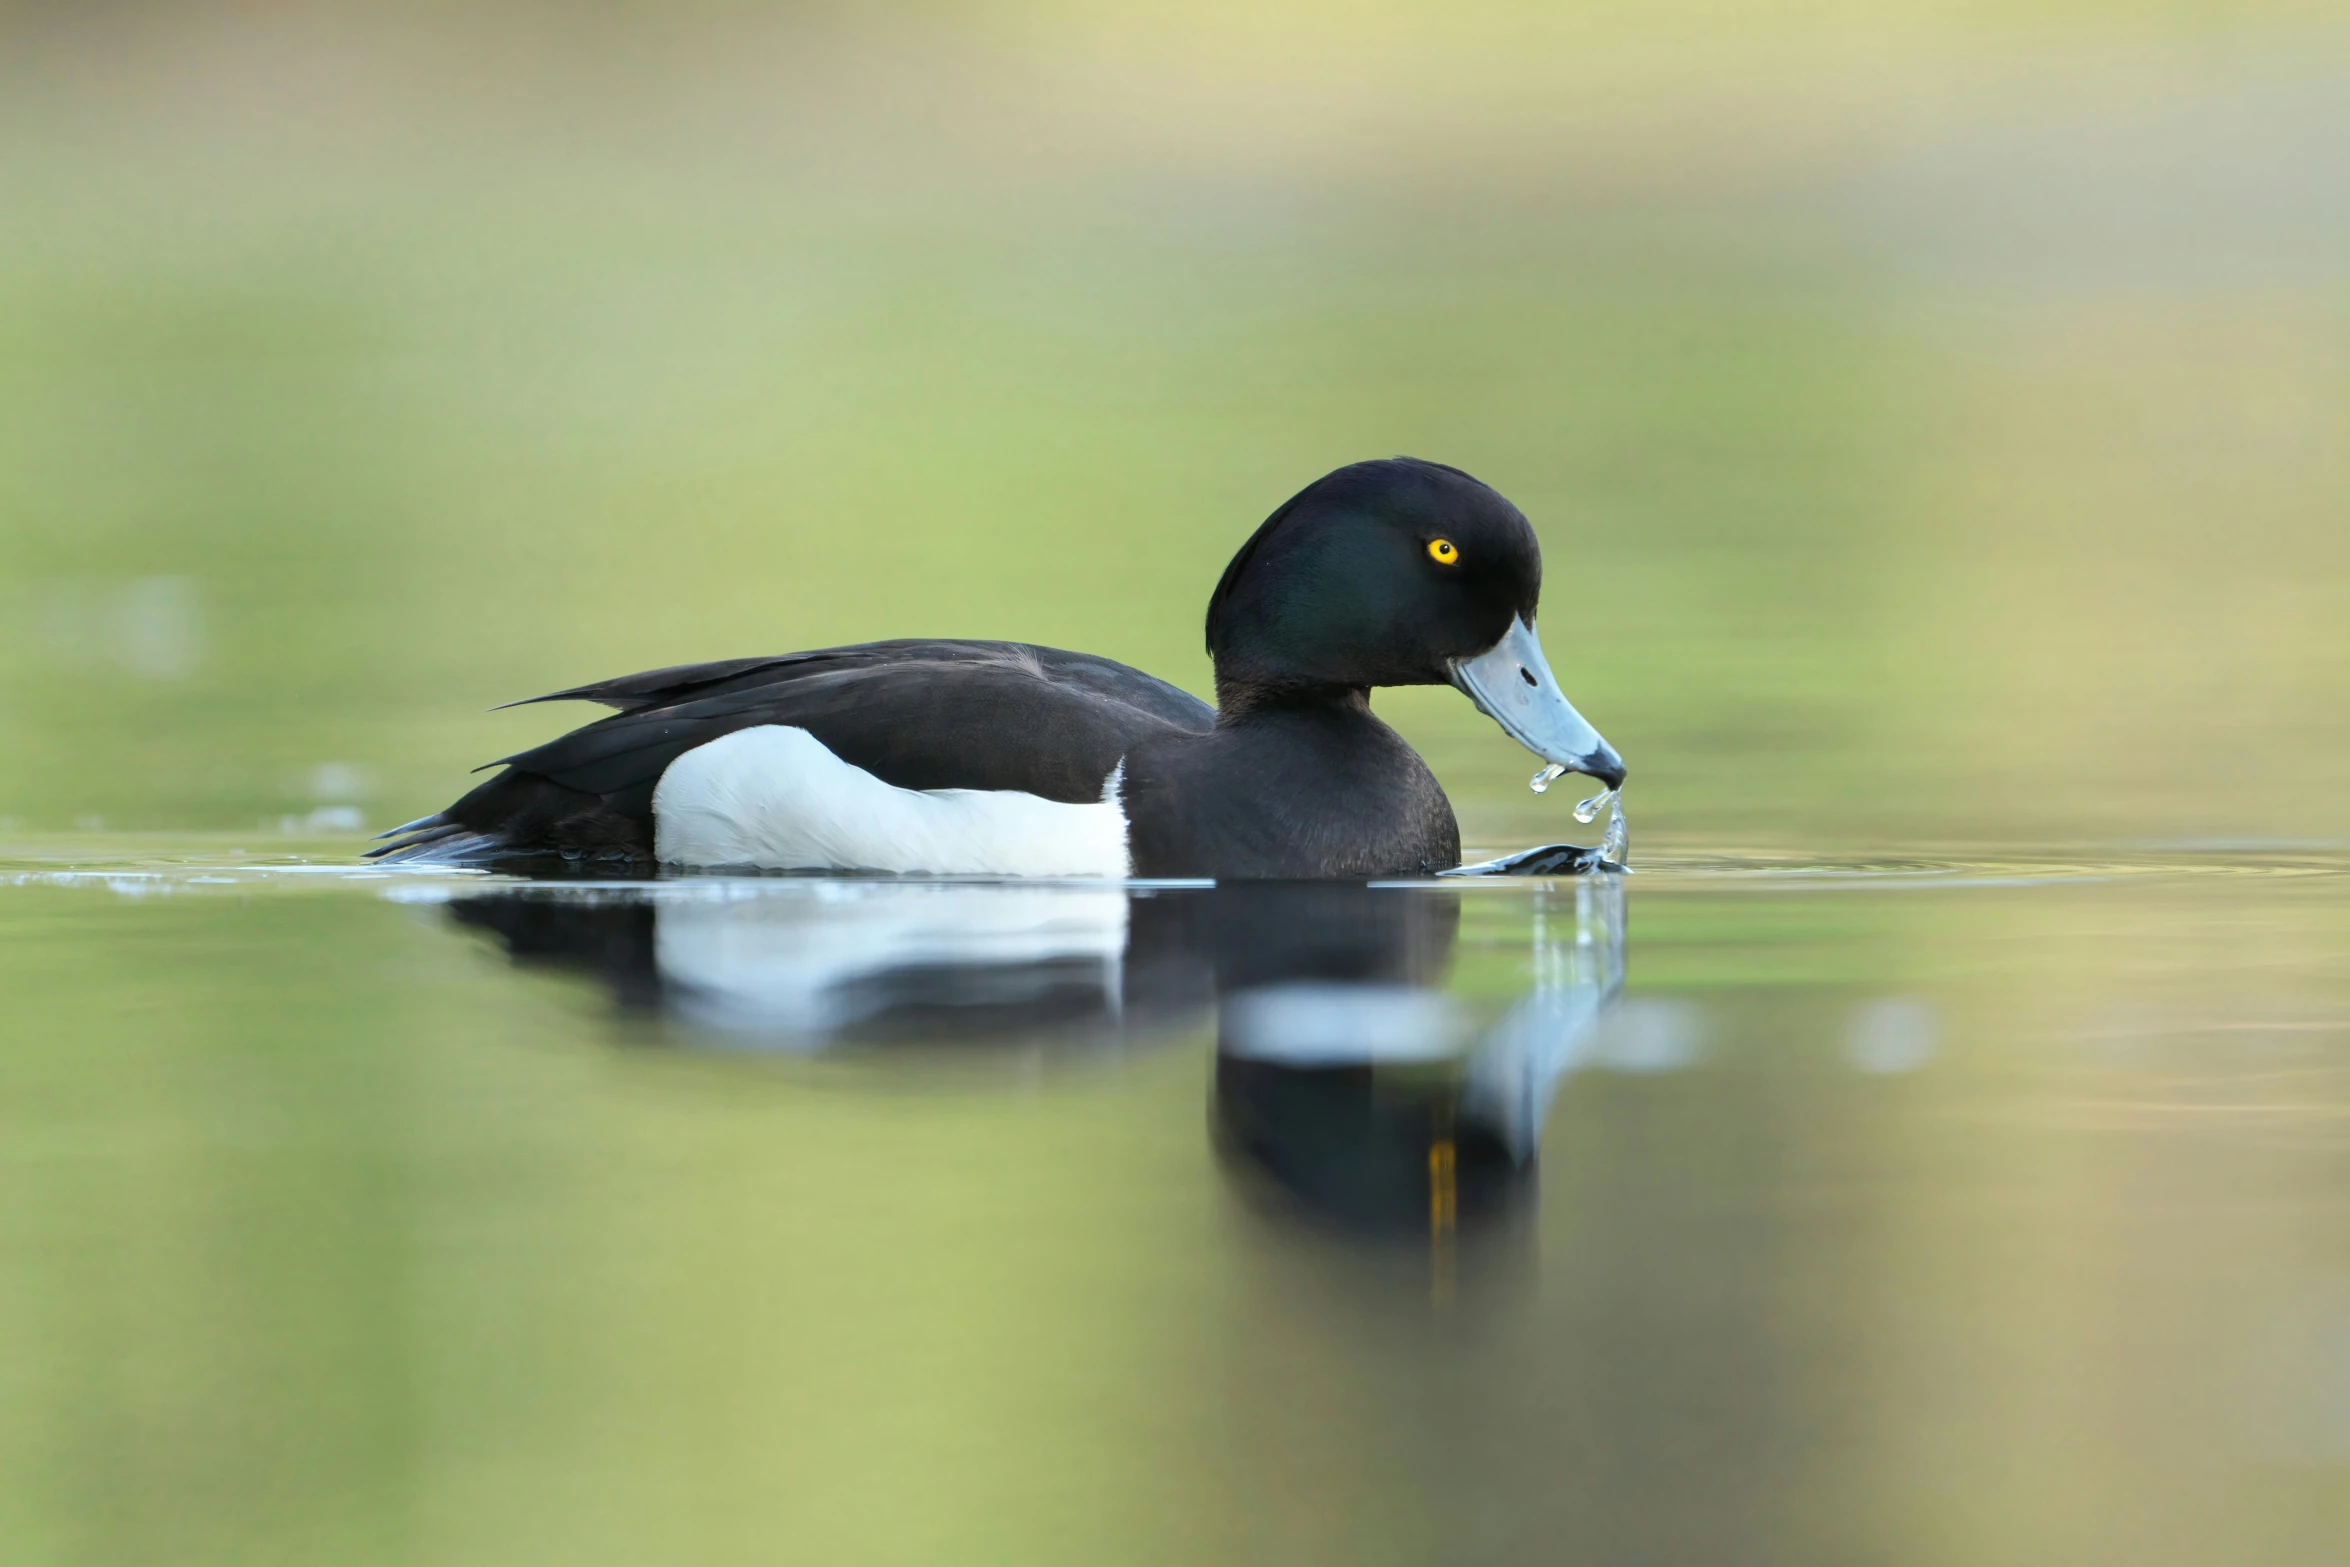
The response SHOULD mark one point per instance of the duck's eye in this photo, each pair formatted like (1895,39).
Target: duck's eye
(1443,551)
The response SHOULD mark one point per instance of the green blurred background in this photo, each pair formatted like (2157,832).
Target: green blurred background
(1935,415)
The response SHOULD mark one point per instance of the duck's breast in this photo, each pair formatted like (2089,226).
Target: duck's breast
(1309,793)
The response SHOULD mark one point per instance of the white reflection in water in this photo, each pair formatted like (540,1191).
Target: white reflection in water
(1648,1035)
(1894,1034)
(1332,1024)
(809,967)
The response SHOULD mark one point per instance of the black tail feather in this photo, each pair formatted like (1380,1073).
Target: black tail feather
(518,814)
(435,837)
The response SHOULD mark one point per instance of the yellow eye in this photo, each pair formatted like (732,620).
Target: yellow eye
(1443,552)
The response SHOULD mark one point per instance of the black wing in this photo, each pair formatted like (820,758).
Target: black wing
(917,714)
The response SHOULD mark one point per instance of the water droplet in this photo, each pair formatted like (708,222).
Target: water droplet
(1588,810)
(1542,779)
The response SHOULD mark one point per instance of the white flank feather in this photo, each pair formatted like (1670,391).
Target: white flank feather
(775,797)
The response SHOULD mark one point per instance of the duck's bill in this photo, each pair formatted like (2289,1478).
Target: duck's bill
(1512,684)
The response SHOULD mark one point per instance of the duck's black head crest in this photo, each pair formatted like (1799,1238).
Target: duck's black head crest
(1380,574)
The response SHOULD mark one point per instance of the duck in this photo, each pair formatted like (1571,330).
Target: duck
(1005,759)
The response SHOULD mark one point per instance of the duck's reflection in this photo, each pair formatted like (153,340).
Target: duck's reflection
(1349,1075)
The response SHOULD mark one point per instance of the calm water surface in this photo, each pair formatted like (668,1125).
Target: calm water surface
(1746,1209)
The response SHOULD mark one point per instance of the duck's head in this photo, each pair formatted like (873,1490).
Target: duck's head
(1398,573)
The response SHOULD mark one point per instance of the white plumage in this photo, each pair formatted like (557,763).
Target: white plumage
(775,797)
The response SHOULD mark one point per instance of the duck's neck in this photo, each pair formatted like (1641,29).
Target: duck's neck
(1250,701)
